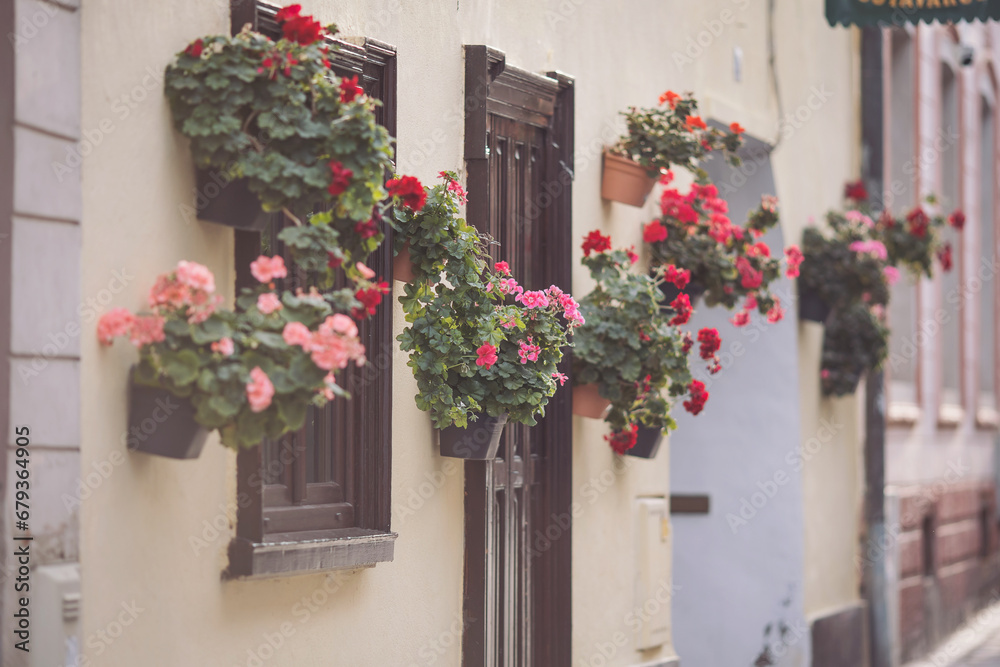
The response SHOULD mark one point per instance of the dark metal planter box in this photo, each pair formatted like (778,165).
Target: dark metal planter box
(812,307)
(477,442)
(228,203)
(162,424)
(647,443)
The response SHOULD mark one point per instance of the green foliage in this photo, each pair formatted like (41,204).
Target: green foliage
(272,113)
(659,138)
(627,346)
(853,282)
(456,305)
(724,259)
(854,343)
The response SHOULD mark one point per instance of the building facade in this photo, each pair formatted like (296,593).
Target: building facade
(151,561)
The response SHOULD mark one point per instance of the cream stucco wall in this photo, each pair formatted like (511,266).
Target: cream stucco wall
(137,526)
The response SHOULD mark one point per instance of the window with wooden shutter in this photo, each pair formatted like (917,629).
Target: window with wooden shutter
(320,498)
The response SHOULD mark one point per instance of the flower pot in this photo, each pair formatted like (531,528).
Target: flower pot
(670,292)
(479,441)
(228,202)
(402,265)
(812,307)
(162,424)
(588,402)
(647,443)
(625,181)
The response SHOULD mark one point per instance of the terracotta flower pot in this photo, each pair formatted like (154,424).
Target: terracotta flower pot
(812,307)
(162,424)
(229,203)
(625,181)
(402,265)
(588,402)
(479,441)
(647,443)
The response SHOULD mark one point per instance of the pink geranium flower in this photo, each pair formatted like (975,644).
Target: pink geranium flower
(260,391)
(487,355)
(223,346)
(265,269)
(147,329)
(116,322)
(794,258)
(195,276)
(268,303)
(296,333)
(365,272)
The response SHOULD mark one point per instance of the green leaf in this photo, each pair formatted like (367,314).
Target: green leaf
(182,366)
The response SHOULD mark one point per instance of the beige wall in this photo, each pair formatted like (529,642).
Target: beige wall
(137,526)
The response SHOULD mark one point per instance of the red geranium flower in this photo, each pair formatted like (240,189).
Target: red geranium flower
(919,222)
(682,307)
(596,242)
(736,128)
(349,89)
(698,397)
(693,122)
(487,355)
(366,229)
(654,232)
(341,178)
(297,28)
(957,219)
(622,441)
(370,298)
(944,256)
(679,277)
(670,97)
(195,48)
(409,189)
(856,191)
(710,342)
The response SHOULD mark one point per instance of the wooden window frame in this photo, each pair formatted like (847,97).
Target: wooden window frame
(493,86)
(313,532)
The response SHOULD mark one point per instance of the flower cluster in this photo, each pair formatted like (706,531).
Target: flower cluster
(725,260)
(632,348)
(329,155)
(674,134)
(479,342)
(850,269)
(248,372)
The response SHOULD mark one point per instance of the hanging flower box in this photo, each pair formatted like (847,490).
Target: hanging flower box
(588,402)
(625,181)
(478,342)
(631,354)
(162,424)
(812,306)
(479,441)
(229,203)
(647,443)
(294,137)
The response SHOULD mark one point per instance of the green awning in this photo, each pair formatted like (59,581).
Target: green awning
(899,12)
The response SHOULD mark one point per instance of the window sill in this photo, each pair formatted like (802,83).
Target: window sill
(903,414)
(301,553)
(987,419)
(950,416)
